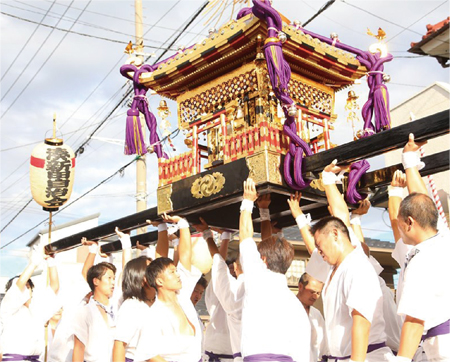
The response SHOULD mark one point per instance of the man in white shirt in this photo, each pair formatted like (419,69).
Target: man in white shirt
(173,331)
(275,326)
(223,333)
(23,316)
(427,314)
(309,290)
(353,302)
(94,323)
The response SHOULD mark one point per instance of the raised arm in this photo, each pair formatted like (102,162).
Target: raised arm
(162,245)
(263,203)
(185,245)
(411,162)
(355,218)
(53,274)
(245,220)
(203,228)
(302,222)
(90,259)
(336,202)
(36,258)
(125,240)
(395,198)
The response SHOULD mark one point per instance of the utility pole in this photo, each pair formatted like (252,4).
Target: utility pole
(141,166)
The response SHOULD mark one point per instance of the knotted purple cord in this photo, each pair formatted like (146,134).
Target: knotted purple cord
(280,75)
(378,99)
(134,143)
(357,170)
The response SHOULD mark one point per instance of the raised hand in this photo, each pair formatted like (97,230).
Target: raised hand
(140,247)
(363,208)
(202,226)
(173,219)
(412,145)
(399,179)
(263,201)
(250,190)
(294,204)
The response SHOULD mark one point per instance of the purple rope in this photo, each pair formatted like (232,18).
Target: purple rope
(357,170)
(140,104)
(377,102)
(280,75)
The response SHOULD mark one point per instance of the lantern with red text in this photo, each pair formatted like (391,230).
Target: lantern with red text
(52,171)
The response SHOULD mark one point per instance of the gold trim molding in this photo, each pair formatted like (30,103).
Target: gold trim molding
(164,194)
(208,185)
(265,167)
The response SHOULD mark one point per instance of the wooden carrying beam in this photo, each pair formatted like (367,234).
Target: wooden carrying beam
(424,129)
(126,223)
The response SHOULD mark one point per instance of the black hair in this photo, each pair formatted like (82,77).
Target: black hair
(203,282)
(421,208)
(97,271)
(230,261)
(278,252)
(133,279)
(10,281)
(155,269)
(329,222)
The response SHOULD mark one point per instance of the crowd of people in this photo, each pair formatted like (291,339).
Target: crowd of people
(147,311)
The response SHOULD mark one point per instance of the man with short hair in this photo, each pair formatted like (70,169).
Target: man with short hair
(94,322)
(426,313)
(353,302)
(198,291)
(309,290)
(173,331)
(275,326)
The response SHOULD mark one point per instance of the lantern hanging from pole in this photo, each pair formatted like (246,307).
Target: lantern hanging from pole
(52,171)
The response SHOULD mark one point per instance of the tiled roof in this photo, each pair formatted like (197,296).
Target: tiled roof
(432,30)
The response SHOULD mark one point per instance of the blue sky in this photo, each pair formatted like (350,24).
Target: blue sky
(80,82)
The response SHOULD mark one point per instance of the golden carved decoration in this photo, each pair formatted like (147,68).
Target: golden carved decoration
(317,184)
(264,167)
(208,185)
(164,194)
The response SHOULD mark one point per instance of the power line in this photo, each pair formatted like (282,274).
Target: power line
(33,56)
(28,40)
(70,204)
(108,16)
(77,33)
(416,21)
(320,11)
(43,64)
(10,221)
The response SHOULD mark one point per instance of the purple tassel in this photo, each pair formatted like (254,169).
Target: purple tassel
(134,142)
(357,170)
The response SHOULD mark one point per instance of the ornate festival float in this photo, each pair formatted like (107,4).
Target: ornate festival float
(256,99)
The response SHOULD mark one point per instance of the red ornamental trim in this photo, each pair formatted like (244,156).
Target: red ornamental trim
(37,162)
(73,162)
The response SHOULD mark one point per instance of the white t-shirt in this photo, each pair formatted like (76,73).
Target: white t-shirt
(217,334)
(23,327)
(354,286)
(130,320)
(230,292)
(92,330)
(318,338)
(319,268)
(161,334)
(426,291)
(273,319)
(61,348)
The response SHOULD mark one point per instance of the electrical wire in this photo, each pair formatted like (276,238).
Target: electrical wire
(320,11)
(76,32)
(28,40)
(70,204)
(41,46)
(407,28)
(108,16)
(45,62)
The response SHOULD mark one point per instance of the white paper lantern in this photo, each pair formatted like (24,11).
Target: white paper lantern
(52,171)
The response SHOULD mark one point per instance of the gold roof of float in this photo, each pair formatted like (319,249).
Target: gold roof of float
(238,42)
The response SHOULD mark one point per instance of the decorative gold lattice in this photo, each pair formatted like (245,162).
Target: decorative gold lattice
(310,96)
(207,101)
